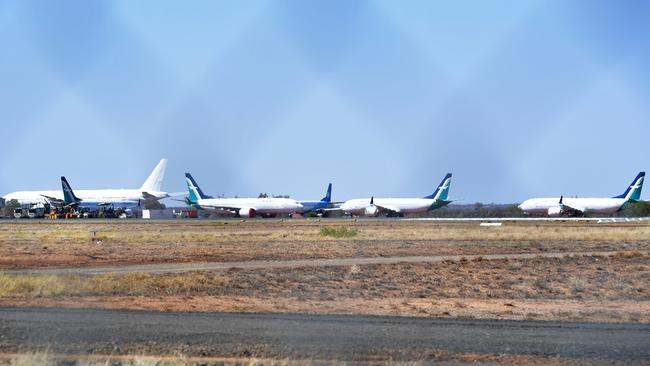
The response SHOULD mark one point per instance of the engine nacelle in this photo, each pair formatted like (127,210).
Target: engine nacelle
(372,211)
(247,212)
(554,211)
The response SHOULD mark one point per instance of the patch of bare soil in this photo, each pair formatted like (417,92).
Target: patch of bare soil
(602,289)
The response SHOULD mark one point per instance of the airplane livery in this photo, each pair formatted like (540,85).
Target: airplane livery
(399,206)
(558,206)
(318,206)
(151,190)
(243,207)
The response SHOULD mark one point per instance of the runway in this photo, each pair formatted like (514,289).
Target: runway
(75,331)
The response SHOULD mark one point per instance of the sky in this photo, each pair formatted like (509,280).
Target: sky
(516,98)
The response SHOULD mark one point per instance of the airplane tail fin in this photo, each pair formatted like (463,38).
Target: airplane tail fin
(633,191)
(68,194)
(442,191)
(155,179)
(328,195)
(195,193)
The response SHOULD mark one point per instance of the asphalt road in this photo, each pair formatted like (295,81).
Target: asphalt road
(75,331)
(296,263)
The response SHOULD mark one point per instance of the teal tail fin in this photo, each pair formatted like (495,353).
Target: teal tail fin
(633,191)
(68,194)
(442,191)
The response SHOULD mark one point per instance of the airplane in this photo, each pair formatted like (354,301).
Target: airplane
(242,207)
(399,206)
(318,206)
(565,206)
(150,191)
(71,200)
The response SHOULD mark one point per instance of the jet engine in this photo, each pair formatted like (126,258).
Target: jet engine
(555,211)
(246,212)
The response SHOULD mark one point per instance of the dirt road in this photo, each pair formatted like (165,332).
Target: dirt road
(224,266)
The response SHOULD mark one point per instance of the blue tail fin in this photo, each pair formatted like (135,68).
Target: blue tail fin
(328,195)
(442,192)
(195,193)
(68,195)
(633,191)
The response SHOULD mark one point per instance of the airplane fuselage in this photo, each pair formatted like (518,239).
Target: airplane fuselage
(90,195)
(248,207)
(404,205)
(546,206)
(313,206)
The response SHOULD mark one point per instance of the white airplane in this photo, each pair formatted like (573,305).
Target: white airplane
(242,207)
(150,191)
(71,200)
(399,206)
(579,206)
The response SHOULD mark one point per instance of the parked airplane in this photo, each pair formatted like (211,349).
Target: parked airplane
(150,191)
(318,206)
(243,207)
(399,206)
(579,206)
(71,200)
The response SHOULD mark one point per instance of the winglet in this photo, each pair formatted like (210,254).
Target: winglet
(372,200)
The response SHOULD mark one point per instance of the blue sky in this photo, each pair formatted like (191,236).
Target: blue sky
(515,98)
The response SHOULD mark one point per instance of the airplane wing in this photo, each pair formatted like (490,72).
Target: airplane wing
(387,208)
(332,209)
(59,203)
(150,197)
(573,210)
(53,200)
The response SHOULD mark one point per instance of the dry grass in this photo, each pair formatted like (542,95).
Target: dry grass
(576,278)
(252,231)
(31,244)
(124,284)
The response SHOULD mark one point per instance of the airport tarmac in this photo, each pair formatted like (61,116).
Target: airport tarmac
(306,336)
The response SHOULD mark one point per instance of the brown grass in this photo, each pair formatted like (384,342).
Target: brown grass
(31,244)
(615,287)
(247,231)
(615,278)
(123,284)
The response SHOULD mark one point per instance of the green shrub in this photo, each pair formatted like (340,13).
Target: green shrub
(338,232)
